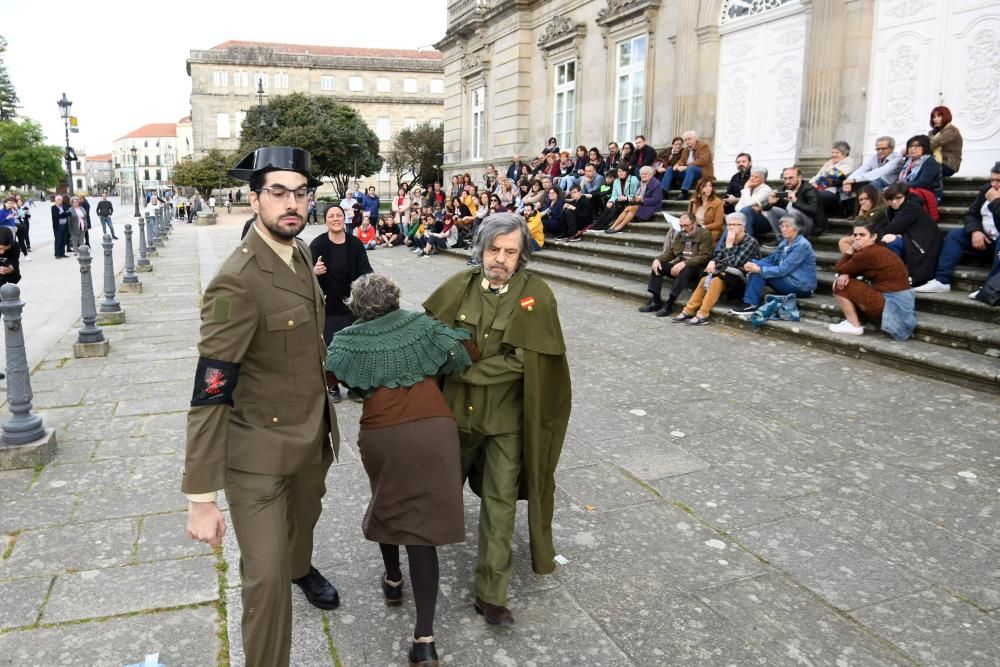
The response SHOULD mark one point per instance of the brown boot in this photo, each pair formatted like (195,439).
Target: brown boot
(494,614)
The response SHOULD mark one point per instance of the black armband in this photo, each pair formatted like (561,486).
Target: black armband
(214,382)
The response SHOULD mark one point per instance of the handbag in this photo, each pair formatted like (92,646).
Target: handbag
(776,307)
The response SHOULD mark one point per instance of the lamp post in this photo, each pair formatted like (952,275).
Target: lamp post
(354,151)
(134,152)
(261,117)
(64,107)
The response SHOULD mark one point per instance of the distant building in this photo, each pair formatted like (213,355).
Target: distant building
(100,175)
(157,152)
(390,88)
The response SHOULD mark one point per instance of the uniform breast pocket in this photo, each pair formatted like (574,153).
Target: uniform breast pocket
(291,328)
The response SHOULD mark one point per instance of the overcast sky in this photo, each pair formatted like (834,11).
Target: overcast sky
(122,64)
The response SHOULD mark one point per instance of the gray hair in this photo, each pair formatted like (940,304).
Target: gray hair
(372,295)
(499,224)
(760,171)
(690,133)
(842,146)
(646,169)
(792,220)
(888,140)
(737,217)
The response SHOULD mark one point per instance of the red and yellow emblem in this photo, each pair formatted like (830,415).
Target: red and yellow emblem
(528,303)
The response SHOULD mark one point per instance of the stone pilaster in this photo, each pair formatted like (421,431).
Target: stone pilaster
(822,75)
(686,84)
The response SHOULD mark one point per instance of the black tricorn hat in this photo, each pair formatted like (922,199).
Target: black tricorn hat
(275,158)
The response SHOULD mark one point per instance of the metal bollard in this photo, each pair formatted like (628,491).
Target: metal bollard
(165,222)
(143,265)
(153,224)
(151,240)
(90,341)
(111,311)
(24,442)
(130,281)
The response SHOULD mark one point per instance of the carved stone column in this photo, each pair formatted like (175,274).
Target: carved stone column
(686,84)
(821,91)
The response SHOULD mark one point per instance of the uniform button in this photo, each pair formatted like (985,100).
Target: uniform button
(461,317)
(291,323)
(486,336)
(469,408)
(245,251)
(274,419)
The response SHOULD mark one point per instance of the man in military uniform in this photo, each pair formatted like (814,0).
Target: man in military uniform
(260,424)
(512,405)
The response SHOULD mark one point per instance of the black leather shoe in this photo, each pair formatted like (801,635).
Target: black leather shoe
(494,614)
(651,306)
(320,592)
(423,654)
(393,594)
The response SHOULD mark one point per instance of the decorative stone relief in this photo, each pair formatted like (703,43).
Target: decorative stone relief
(738,9)
(620,10)
(903,8)
(982,78)
(473,63)
(793,37)
(738,101)
(559,31)
(900,84)
(784,127)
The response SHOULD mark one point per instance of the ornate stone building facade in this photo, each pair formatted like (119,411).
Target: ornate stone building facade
(781,79)
(390,88)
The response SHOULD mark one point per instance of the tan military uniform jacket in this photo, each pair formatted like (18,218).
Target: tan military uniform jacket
(260,315)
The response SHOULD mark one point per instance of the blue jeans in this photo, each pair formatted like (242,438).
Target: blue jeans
(691,176)
(955,243)
(756,284)
(566,182)
(756,222)
(897,246)
(106,226)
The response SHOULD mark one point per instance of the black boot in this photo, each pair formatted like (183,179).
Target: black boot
(666,309)
(320,592)
(683,196)
(652,305)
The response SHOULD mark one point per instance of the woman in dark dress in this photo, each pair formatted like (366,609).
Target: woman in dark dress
(408,440)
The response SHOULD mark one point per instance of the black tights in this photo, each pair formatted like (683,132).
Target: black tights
(424,575)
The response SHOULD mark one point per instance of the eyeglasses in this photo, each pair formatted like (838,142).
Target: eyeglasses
(280,192)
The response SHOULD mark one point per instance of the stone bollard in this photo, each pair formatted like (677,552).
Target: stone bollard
(153,224)
(130,281)
(143,265)
(90,341)
(111,312)
(24,442)
(167,227)
(205,218)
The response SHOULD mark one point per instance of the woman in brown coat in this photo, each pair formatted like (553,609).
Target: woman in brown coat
(408,440)
(946,141)
(865,272)
(707,209)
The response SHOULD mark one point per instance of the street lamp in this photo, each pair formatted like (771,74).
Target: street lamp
(261,117)
(134,152)
(64,107)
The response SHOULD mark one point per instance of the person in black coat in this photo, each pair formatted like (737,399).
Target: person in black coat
(910,232)
(577,214)
(799,199)
(736,184)
(60,226)
(10,257)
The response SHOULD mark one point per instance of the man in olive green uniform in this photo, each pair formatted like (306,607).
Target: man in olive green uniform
(512,405)
(260,425)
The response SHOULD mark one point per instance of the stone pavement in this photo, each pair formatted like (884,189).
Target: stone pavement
(723,499)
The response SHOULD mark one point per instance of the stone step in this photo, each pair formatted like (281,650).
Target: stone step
(956,365)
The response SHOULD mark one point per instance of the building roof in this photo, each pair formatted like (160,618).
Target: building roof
(185,119)
(306,49)
(153,130)
(103,157)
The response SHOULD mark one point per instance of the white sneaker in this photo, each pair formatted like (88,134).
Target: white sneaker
(933,287)
(974,295)
(846,327)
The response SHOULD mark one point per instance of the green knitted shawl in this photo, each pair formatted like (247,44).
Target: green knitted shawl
(399,349)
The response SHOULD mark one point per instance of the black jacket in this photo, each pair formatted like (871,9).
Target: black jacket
(60,215)
(105,209)
(735,188)
(11,258)
(974,216)
(807,201)
(644,157)
(921,237)
(514,171)
(357,265)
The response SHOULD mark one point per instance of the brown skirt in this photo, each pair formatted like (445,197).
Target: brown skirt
(415,472)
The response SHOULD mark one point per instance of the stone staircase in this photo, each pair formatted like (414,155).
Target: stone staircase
(956,340)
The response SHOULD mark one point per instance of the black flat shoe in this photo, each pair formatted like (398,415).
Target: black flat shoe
(320,592)
(651,306)
(494,614)
(423,654)
(393,595)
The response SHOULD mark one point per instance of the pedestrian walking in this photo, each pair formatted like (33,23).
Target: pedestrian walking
(79,222)
(194,207)
(60,226)
(271,457)
(104,211)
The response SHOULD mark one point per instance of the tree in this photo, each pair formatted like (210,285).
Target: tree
(206,174)
(8,96)
(417,152)
(24,157)
(321,126)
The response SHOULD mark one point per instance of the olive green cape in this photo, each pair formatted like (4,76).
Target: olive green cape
(547,396)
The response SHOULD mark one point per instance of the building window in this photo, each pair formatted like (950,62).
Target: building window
(78,167)
(158,174)
(437,86)
(565,112)
(355,83)
(79,183)
(383,85)
(281,80)
(157,160)
(220,79)
(631,89)
(145,174)
(478,121)
(382,128)
(145,162)
(262,78)
(222,126)
(241,79)
(238,121)
(409,123)
(327,83)
(409,85)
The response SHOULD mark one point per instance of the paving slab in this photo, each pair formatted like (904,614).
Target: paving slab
(22,600)
(20,511)
(163,537)
(652,457)
(603,486)
(183,638)
(127,501)
(935,628)
(122,590)
(68,548)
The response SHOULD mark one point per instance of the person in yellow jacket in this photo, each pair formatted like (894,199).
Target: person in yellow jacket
(535,228)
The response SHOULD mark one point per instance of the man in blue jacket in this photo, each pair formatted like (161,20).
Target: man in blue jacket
(370,203)
(790,269)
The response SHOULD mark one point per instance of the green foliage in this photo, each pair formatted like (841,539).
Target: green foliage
(24,157)
(206,174)
(8,96)
(417,152)
(321,126)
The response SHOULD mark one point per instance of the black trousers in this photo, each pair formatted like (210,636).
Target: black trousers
(684,278)
(572,221)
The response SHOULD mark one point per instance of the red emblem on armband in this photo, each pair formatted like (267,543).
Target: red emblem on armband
(215,380)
